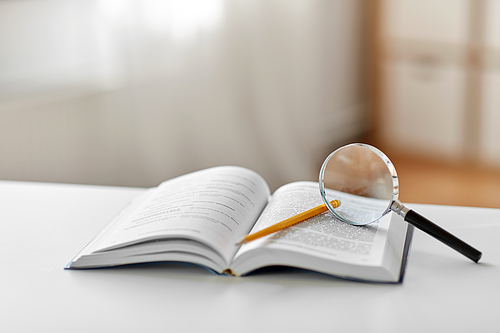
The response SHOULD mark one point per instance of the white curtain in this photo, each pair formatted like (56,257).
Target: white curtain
(136,92)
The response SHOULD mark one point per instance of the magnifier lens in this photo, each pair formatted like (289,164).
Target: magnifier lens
(363,179)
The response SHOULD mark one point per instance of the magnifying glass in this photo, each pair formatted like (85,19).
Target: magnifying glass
(359,184)
(365,182)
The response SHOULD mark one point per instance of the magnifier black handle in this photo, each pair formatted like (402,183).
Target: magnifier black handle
(444,236)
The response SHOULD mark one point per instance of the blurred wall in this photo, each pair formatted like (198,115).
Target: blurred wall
(124,92)
(440,70)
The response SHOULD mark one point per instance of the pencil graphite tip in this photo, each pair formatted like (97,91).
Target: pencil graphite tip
(242,241)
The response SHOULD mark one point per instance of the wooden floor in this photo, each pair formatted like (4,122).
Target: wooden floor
(425,181)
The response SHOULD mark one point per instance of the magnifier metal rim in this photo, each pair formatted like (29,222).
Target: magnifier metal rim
(390,168)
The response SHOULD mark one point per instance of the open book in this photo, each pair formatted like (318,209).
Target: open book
(199,217)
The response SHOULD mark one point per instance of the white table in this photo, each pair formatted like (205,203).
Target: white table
(44,225)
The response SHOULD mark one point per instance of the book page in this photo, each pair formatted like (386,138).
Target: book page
(323,235)
(214,206)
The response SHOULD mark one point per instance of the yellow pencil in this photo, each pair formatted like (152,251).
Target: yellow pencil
(288,222)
